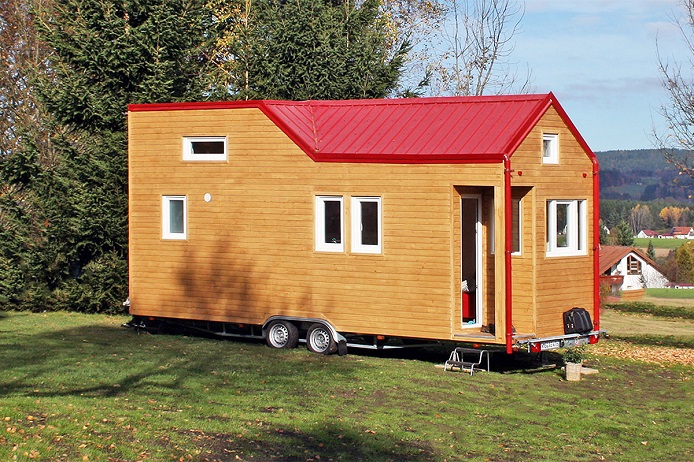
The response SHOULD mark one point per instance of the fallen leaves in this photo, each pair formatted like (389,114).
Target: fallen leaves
(645,353)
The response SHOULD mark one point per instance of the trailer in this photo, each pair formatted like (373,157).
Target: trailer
(463,219)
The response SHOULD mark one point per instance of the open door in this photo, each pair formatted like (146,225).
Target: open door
(471,260)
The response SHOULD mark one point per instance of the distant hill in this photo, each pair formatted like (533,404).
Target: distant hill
(642,175)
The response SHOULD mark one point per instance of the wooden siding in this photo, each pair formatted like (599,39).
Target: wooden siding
(544,287)
(250,250)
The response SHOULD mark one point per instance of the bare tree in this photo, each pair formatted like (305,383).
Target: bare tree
(478,40)
(640,218)
(677,143)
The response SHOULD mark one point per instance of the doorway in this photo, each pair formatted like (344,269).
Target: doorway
(471,259)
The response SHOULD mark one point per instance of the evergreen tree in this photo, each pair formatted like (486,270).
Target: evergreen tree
(650,251)
(105,55)
(624,234)
(306,49)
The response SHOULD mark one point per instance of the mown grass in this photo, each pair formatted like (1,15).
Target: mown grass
(79,387)
(642,242)
(684,294)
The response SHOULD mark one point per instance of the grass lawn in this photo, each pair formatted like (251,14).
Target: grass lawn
(642,243)
(80,387)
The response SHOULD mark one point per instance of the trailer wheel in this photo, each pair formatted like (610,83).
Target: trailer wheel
(282,334)
(320,340)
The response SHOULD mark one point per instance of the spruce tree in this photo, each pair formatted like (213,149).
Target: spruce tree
(650,251)
(306,49)
(106,54)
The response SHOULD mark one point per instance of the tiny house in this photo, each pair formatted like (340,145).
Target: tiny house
(465,219)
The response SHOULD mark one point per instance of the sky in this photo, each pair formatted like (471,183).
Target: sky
(600,59)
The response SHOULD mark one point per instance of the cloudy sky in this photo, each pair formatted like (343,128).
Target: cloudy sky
(600,59)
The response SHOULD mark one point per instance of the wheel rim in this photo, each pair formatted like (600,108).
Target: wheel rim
(320,340)
(279,335)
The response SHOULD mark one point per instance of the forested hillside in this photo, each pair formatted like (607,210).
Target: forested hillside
(641,175)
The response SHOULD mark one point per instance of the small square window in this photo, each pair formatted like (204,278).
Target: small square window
(329,226)
(366,224)
(550,148)
(174,217)
(206,148)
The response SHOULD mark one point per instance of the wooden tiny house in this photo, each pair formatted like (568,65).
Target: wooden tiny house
(471,219)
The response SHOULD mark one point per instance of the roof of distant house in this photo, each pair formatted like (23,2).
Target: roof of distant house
(681,230)
(649,232)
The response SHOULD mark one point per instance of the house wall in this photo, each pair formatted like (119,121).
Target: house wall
(250,250)
(546,286)
(649,278)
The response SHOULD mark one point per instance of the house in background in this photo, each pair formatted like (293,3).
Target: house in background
(680,232)
(630,271)
(648,234)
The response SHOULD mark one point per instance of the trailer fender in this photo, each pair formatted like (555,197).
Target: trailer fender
(339,338)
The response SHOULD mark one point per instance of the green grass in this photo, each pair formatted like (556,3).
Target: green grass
(671,293)
(80,387)
(667,311)
(642,243)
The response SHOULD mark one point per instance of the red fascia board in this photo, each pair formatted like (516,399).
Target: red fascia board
(411,158)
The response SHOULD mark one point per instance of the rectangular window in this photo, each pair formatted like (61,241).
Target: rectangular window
(174,217)
(329,226)
(566,227)
(633,265)
(207,148)
(366,224)
(550,148)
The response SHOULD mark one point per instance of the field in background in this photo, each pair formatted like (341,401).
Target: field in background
(80,387)
(669,244)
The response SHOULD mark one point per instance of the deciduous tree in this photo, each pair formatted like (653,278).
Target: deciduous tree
(477,48)
(677,142)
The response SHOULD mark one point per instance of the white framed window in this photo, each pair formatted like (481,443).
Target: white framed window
(174,217)
(205,148)
(329,224)
(366,225)
(550,148)
(566,227)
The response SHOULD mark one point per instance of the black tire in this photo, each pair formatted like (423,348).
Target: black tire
(320,340)
(282,334)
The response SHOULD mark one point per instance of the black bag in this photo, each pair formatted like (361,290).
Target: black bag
(577,321)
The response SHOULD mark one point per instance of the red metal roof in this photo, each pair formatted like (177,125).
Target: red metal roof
(408,130)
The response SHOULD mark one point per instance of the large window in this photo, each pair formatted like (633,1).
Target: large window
(205,148)
(566,227)
(329,225)
(366,224)
(550,148)
(174,217)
